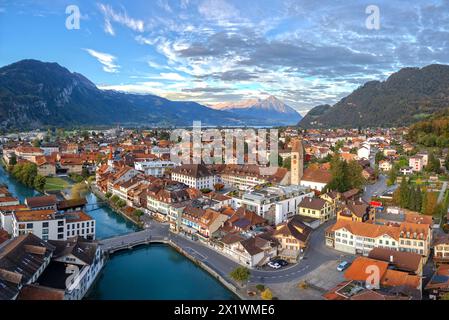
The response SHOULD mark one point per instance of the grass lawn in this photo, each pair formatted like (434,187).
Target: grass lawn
(55,183)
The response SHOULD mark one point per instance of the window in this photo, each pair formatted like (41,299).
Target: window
(60,223)
(60,236)
(44,224)
(29,226)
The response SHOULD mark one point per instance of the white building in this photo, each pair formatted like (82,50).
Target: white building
(48,225)
(195,176)
(364,152)
(276,204)
(83,259)
(154,168)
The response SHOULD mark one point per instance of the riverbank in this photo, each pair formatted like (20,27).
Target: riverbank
(114,208)
(169,242)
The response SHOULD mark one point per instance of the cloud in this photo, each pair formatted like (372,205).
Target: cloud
(120,18)
(107,60)
(218,10)
(171,76)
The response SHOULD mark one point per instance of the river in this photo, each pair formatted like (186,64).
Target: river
(148,272)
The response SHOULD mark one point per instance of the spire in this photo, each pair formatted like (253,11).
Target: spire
(110,153)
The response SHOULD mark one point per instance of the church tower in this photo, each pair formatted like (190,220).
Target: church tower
(110,158)
(297,161)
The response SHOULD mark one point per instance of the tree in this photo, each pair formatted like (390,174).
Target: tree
(138,213)
(36,143)
(418,203)
(78,191)
(240,274)
(445,296)
(430,203)
(13,160)
(266,294)
(354,175)
(115,198)
(404,191)
(108,194)
(433,164)
(392,176)
(39,182)
(287,163)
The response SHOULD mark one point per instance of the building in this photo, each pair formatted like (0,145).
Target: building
(361,270)
(385,165)
(364,152)
(42,202)
(293,237)
(416,163)
(355,211)
(250,252)
(438,286)
(316,178)
(316,208)
(78,257)
(22,261)
(410,262)
(360,237)
(155,168)
(49,225)
(246,177)
(196,176)
(441,249)
(28,153)
(274,203)
(201,223)
(297,161)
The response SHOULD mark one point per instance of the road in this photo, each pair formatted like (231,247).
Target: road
(377,188)
(443,190)
(316,254)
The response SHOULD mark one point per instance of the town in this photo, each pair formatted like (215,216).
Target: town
(340,204)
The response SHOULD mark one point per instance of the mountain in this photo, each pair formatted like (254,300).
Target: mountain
(407,96)
(35,94)
(432,132)
(270,110)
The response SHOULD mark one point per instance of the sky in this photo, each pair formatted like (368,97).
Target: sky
(305,52)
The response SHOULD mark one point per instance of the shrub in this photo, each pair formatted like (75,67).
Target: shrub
(267,294)
(108,195)
(260,287)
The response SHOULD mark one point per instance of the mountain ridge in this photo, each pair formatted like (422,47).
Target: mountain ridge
(270,108)
(35,94)
(405,97)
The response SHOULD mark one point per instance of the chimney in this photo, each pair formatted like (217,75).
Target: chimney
(391,259)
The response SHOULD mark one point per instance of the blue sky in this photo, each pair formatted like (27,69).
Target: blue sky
(305,52)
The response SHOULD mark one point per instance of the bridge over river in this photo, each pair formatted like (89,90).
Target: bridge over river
(128,241)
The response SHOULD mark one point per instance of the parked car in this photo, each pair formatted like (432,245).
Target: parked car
(343,266)
(274,265)
(281,262)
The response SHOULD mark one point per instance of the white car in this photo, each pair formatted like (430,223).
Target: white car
(274,265)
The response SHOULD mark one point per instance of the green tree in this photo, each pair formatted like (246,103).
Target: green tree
(354,177)
(36,143)
(13,160)
(404,191)
(392,176)
(240,274)
(379,157)
(39,182)
(433,164)
(287,163)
